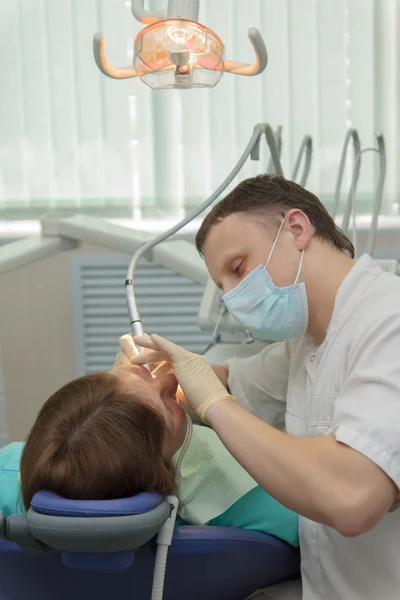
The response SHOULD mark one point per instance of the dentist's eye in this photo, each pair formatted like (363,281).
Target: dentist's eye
(239,268)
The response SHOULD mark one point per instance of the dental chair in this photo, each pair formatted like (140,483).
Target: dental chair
(74,549)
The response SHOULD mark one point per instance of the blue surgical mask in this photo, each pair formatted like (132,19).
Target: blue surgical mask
(269,312)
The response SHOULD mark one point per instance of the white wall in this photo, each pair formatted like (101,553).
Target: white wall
(3,420)
(36,337)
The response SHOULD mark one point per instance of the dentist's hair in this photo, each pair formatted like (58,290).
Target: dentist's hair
(92,441)
(271,195)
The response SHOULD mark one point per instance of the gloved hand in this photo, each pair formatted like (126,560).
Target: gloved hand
(196,377)
(128,350)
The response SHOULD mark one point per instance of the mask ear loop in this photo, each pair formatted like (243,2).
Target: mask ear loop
(300,265)
(273,248)
(275,243)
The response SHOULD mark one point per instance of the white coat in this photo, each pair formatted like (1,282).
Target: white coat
(348,386)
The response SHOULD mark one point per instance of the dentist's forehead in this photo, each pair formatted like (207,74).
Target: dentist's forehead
(227,240)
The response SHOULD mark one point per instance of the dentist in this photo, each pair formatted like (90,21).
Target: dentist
(315,416)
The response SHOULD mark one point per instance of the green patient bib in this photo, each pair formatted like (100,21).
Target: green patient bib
(210,480)
(214,489)
(258,511)
(10,493)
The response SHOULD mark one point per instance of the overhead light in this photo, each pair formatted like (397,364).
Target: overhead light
(176,51)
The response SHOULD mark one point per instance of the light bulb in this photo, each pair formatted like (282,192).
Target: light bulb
(179,35)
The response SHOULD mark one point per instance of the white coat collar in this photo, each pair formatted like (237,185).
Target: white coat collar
(359,278)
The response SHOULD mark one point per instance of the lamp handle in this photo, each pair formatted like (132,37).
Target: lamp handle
(261,53)
(99,51)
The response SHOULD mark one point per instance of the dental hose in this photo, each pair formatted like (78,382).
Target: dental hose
(252,149)
(164,538)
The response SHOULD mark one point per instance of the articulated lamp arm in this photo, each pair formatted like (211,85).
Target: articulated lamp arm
(146,16)
(306,152)
(376,210)
(259,64)
(99,51)
(353,138)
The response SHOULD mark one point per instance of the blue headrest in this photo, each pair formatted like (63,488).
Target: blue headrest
(49,503)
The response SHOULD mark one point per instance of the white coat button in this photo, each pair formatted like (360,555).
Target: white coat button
(312,358)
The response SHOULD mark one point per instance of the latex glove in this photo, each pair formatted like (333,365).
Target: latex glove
(196,377)
(128,350)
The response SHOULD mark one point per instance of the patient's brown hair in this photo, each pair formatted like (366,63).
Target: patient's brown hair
(93,441)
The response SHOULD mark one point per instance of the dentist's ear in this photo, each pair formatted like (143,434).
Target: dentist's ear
(300,227)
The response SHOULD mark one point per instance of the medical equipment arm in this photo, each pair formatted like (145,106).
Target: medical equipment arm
(278,141)
(260,62)
(370,247)
(306,150)
(351,137)
(146,16)
(104,65)
(252,149)
(317,477)
(201,385)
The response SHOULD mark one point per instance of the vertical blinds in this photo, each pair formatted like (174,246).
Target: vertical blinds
(71,137)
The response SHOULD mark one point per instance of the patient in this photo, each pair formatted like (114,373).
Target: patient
(113,435)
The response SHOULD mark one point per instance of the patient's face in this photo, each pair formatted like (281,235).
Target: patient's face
(160,392)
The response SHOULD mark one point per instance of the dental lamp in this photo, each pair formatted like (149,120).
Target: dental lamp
(175,51)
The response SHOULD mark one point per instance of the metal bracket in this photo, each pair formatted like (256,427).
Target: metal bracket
(17,531)
(305,150)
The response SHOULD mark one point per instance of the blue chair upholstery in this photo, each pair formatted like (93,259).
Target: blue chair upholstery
(212,563)
(49,503)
